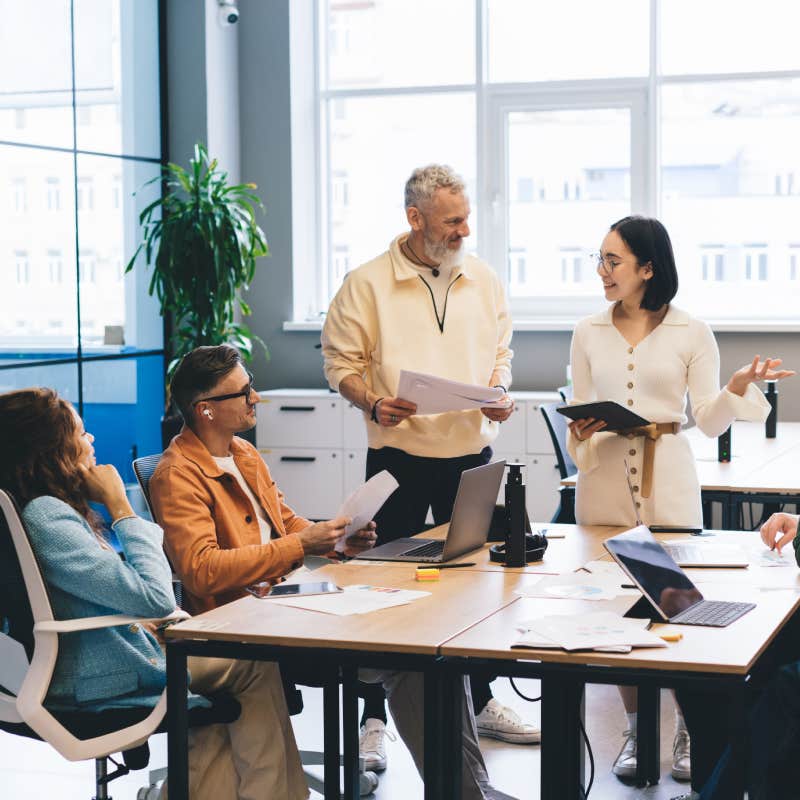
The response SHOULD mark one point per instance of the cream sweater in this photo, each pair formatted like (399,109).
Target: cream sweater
(382,320)
(652,379)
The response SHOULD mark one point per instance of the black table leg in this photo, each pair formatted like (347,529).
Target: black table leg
(177,722)
(648,735)
(330,705)
(434,712)
(451,733)
(562,744)
(350,732)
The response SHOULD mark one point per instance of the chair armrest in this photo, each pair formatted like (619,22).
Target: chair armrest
(107,621)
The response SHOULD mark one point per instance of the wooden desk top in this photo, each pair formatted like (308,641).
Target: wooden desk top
(580,543)
(458,600)
(781,475)
(753,454)
(732,650)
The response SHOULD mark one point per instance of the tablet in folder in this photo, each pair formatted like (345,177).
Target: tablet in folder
(615,416)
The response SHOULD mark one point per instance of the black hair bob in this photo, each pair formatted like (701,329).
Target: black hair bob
(649,241)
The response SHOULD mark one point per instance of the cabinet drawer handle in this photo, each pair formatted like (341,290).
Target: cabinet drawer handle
(298,458)
(298,408)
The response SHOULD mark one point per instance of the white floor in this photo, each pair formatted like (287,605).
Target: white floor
(30,769)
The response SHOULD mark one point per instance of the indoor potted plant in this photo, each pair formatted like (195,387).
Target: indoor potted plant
(202,240)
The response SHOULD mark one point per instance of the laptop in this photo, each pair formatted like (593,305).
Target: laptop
(687,554)
(667,588)
(469,525)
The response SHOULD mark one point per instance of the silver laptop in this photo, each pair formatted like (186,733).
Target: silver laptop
(469,525)
(689,554)
(667,588)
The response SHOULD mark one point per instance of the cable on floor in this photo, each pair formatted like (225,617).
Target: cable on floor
(523,696)
(583,733)
(591,758)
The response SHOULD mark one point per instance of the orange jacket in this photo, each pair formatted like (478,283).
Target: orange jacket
(211,533)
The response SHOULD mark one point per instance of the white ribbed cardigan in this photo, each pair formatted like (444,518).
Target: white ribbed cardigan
(652,379)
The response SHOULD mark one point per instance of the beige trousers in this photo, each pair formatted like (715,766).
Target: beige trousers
(255,757)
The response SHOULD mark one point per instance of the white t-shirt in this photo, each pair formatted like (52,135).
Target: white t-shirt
(227,464)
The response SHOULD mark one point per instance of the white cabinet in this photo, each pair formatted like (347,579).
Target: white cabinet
(315,445)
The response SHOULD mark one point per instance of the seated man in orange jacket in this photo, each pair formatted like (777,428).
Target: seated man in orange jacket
(226,525)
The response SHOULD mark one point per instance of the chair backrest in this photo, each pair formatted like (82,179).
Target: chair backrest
(144,468)
(557,426)
(565,392)
(23,601)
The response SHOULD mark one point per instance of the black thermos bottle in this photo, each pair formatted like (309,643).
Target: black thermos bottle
(772,419)
(515,515)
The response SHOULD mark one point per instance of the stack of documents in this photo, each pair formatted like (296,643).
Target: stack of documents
(434,395)
(357,599)
(603,631)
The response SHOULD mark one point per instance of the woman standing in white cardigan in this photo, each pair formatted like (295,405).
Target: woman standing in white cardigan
(646,354)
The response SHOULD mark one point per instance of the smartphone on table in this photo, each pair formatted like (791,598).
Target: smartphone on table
(265,590)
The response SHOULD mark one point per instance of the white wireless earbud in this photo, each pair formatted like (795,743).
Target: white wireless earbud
(207,413)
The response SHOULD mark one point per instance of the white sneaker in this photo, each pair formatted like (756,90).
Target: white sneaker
(681,760)
(625,765)
(501,722)
(372,744)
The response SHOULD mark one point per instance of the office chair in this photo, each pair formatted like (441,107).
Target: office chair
(557,428)
(28,653)
(144,468)
(565,392)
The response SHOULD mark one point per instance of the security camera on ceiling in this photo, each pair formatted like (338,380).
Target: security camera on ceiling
(228,12)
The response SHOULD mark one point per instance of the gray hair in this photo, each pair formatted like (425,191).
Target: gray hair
(424,181)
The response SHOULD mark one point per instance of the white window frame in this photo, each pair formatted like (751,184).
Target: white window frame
(311,195)
(496,191)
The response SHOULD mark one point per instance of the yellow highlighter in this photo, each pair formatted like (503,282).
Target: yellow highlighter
(671,637)
(427,574)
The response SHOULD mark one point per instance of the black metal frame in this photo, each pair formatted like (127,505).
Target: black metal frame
(563,687)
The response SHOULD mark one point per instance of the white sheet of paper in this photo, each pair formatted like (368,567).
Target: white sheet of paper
(434,395)
(600,630)
(576,585)
(365,502)
(356,599)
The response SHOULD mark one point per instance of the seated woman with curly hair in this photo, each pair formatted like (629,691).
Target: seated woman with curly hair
(48,465)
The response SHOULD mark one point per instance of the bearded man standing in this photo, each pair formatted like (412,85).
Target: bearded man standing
(424,305)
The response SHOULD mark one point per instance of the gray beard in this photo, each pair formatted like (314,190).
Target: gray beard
(443,255)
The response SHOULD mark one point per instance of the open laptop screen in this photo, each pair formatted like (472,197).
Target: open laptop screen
(654,571)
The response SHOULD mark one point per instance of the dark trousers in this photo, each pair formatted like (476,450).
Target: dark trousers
(424,483)
(764,754)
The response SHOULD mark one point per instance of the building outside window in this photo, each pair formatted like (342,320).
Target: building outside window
(555,143)
(755,262)
(80,116)
(55,266)
(53,189)
(22,267)
(713,262)
(20,195)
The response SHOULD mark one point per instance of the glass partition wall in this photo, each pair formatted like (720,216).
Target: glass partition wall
(80,132)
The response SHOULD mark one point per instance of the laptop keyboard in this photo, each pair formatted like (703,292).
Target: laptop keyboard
(427,550)
(715,613)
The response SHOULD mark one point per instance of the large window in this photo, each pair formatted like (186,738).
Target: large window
(80,132)
(562,118)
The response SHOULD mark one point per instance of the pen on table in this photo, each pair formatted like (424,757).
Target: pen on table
(628,586)
(447,566)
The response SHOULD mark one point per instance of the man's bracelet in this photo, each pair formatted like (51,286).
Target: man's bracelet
(374,413)
(500,386)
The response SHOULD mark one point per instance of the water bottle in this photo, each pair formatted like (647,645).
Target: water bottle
(772,419)
(515,515)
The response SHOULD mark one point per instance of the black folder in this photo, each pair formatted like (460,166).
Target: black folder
(615,416)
